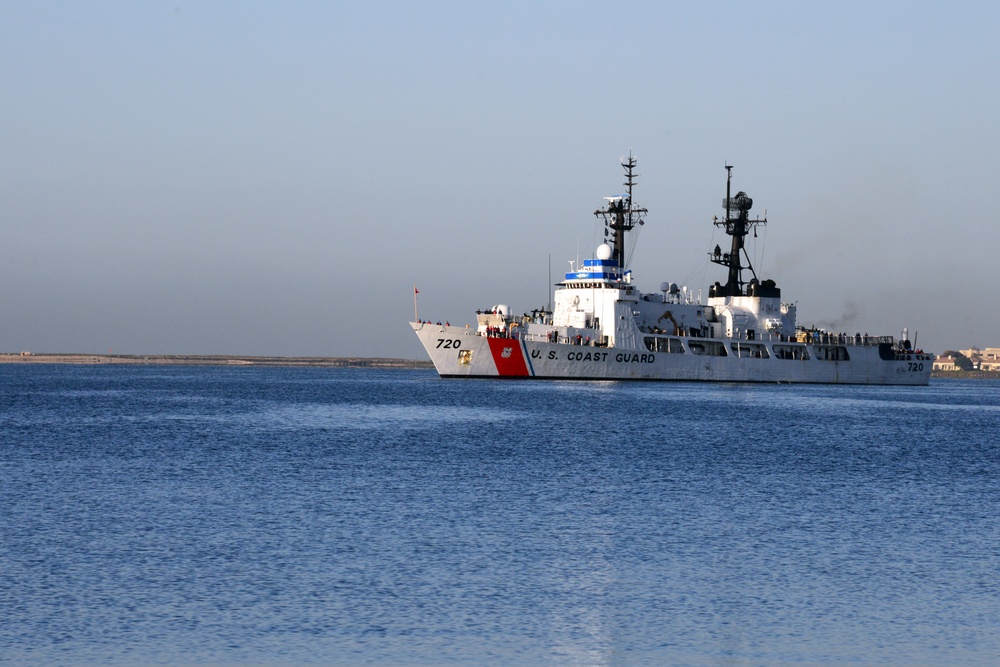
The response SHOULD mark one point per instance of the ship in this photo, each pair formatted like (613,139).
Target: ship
(600,326)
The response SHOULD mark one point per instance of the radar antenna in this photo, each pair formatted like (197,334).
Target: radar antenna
(620,215)
(738,224)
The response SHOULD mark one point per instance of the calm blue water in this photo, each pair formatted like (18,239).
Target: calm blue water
(224,516)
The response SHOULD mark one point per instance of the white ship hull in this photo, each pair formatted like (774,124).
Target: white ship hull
(459,352)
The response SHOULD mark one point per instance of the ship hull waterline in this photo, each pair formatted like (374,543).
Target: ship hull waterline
(459,352)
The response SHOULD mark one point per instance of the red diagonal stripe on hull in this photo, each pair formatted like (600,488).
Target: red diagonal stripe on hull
(508,357)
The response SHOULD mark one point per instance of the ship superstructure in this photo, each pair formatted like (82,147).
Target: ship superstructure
(602,326)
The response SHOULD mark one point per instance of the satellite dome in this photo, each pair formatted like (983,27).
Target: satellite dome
(604,251)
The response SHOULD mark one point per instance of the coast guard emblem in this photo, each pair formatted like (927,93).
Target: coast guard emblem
(507,356)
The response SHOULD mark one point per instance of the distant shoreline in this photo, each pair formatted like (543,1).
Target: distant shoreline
(967,375)
(212,360)
(318,362)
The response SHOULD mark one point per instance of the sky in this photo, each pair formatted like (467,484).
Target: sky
(261,178)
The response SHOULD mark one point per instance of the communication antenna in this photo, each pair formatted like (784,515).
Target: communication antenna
(737,224)
(620,215)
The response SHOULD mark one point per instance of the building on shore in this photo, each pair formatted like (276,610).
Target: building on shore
(986,359)
(945,364)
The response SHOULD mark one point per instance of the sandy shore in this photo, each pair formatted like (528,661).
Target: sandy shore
(210,360)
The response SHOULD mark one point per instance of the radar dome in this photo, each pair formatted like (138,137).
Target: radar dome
(604,251)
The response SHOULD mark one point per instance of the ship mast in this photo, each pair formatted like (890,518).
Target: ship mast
(620,215)
(737,224)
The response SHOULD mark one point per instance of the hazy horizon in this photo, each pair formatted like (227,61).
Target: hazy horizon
(259,179)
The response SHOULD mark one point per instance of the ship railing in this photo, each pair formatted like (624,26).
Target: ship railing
(914,355)
(555,337)
(809,337)
(827,338)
